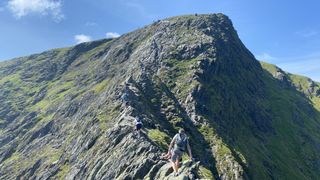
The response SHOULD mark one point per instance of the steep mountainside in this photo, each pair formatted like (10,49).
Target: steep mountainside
(61,115)
(305,85)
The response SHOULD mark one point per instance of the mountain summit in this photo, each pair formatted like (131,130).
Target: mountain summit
(62,116)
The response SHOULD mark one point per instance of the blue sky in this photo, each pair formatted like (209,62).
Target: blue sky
(286,33)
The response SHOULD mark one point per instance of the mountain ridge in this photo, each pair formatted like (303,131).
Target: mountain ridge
(62,117)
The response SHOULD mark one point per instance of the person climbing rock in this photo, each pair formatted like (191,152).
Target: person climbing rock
(177,147)
(138,123)
(125,98)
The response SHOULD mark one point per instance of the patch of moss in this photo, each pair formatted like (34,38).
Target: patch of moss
(221,150)
(179,77)
(16,162)
(14,78)
(41,106)
(91,53)
(98,88)
(1,121)
(185,157)
(14,157)
(56,93)
(316,102)
(269,67)
(241,156)
(301,82)
(63,171)
(208,133)
(176,120)
(105,115)
(46,118)
(49,153)
(62,51)
(205,173)
(60,88)
(161,138)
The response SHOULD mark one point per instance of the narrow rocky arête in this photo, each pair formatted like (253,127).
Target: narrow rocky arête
(62,117)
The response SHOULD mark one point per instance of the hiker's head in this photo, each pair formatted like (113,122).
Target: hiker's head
(181,131)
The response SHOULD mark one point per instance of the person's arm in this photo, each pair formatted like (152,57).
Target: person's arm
(189,150)
(171,144)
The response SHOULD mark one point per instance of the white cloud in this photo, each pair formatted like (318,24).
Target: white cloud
(21,8)
(80,38)
(265,57)
(112,35)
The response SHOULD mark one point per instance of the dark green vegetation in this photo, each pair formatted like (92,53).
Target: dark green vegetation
(61,116)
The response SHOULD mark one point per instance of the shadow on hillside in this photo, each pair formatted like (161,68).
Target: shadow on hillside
(253,126)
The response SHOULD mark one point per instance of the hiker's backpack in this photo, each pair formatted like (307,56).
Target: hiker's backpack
(125,97)
(181,142)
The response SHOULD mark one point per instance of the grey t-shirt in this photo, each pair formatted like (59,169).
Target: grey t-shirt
(181,141)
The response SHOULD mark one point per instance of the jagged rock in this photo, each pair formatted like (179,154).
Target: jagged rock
(187,171)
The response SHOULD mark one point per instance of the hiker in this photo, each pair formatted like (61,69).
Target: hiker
(177,147)
(125,98)
(138,122)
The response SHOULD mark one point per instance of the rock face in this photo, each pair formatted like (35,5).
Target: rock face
(62,116)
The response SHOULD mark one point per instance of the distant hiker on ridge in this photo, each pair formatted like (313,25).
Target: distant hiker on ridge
(138,123)
(125,97)
(177,147)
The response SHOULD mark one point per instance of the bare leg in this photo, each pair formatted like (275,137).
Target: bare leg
(177,163)
(168,155)
(139,133)
(174,167)
(136,131)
